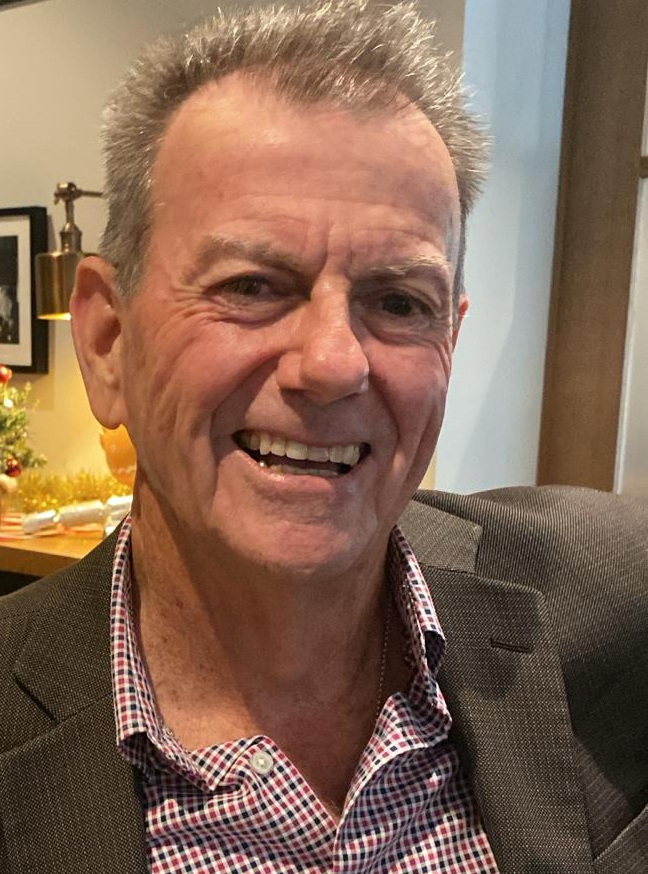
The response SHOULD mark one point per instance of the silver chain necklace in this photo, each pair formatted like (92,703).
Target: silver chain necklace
(383,657)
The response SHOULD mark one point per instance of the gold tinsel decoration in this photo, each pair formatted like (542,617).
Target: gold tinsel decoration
(50,491)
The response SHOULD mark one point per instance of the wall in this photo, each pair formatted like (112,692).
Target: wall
(514,59)
(632,458)
(58,61)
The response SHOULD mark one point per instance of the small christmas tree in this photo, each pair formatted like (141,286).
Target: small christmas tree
(15,451)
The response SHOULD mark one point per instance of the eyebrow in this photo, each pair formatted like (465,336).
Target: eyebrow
(439,266)
(219,246)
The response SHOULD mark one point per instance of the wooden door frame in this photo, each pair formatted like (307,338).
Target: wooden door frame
(601,165)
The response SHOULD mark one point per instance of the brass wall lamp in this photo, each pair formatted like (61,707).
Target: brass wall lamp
(56,271)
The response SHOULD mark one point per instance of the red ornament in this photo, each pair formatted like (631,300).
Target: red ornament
(5,374)
(13,467)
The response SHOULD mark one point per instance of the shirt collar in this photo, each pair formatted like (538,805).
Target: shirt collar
(136,715)
(415,604)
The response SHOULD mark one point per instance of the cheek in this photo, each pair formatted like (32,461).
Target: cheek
(422,416)
(161,381)
(416,391)
(415,380)
(186,370)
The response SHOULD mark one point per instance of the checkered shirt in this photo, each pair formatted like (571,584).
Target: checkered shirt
(243,807)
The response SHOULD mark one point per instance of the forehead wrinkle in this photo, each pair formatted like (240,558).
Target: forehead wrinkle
(218,246)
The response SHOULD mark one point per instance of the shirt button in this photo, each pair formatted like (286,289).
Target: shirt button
(262,763)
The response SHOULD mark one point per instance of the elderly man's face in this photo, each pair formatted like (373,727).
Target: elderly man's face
(289,351)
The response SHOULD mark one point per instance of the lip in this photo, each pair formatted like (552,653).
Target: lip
(300,483)
(283,450)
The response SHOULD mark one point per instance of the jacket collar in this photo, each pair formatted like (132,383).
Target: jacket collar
(65,662)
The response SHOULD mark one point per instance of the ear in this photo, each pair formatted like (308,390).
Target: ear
(462,309)
(97,311)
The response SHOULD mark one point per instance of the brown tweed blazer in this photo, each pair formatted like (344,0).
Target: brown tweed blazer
(543,596)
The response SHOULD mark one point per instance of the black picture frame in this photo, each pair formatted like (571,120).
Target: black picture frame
(24,338)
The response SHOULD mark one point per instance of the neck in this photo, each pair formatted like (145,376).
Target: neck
(214,627)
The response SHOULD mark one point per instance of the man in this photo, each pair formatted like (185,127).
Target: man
(273,319)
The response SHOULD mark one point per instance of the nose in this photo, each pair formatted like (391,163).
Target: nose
(326,359)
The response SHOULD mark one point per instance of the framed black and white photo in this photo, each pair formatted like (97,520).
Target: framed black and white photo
(23,337)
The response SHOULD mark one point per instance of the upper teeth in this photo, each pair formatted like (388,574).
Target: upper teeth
(267,444)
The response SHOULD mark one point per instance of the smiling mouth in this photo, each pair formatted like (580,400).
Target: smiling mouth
(284,455)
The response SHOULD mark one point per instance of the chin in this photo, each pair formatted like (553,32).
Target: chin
(299,552)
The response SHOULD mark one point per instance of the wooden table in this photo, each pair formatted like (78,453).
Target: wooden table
(39,556)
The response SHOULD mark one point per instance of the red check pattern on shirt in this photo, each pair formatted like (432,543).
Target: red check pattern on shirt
(228,809)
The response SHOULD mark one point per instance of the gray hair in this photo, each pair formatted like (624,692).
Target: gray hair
(358,55)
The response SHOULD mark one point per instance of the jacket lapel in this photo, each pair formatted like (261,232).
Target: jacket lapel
(503,682)
(69,802)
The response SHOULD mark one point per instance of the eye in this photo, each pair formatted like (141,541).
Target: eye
(251,297)
(397,303)
(402,313)
(248,286)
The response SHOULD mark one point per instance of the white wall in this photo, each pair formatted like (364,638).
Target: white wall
(514,57)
